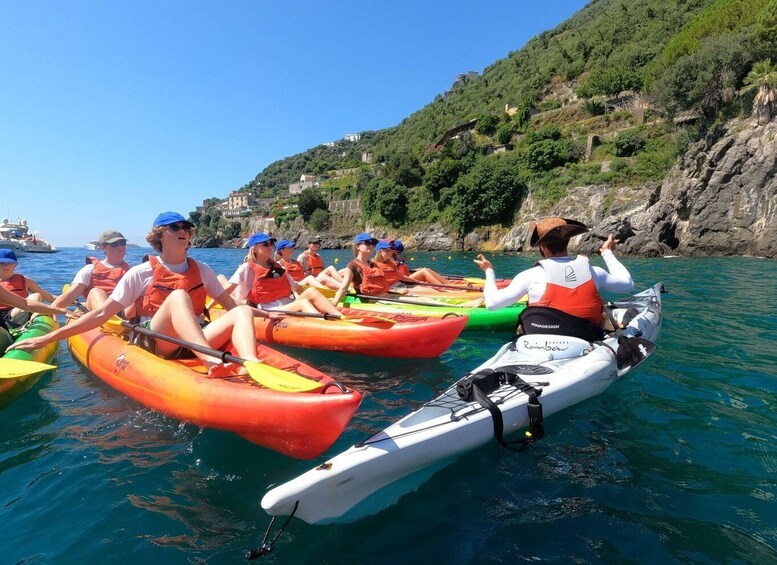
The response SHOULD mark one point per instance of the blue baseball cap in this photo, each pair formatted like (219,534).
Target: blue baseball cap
(8,256)
(397,246)
(364,237)
(283,244)
(167,218)
(382,244)
(260,238)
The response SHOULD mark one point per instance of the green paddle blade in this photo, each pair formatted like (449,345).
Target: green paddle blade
(278,379)
(15,368)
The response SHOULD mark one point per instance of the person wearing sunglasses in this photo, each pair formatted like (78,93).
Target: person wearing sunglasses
(97,279)
(169,293)
(264,283)
(313,265)
(365,275)
(18,284)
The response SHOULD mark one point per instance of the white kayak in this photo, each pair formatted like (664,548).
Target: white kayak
(553,371)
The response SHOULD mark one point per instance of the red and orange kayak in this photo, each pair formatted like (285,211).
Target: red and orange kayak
(299,424)
(365,333)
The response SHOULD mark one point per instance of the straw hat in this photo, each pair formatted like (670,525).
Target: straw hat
(554,230)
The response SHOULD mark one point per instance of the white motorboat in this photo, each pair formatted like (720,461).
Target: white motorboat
(17,237)
(92,245)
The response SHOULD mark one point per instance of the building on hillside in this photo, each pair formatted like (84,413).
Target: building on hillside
(453,133)
(366,157)
(305,182)
(328,144)
(352,137)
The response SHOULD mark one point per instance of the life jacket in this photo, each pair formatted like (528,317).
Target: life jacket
(165,281)
(270,283)
(16,284)
(316,263)
(105,278)
(373,279)
(390,271)
(571,289)
(294,268)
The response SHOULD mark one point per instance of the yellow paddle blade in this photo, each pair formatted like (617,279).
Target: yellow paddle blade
(14,368)
(278,379)
(114,325)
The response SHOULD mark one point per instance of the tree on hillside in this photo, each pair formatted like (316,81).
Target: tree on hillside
(404,168)
(442,174)
(384,197)
(309,201)
(763,77)
(487,124)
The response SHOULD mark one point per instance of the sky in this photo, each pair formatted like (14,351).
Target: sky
(111,112)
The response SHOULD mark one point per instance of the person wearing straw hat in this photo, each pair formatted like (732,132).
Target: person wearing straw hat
(558,281)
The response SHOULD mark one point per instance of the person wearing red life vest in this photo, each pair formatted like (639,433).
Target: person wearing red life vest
(21,286)
(558,281)
(262,282)
(421,274)
(368,277)
(169,293)
(97,279)
(313,265)
(283,250)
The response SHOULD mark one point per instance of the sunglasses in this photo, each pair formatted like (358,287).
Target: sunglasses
(266,244)
(120,243)
(368,243)
(179,226)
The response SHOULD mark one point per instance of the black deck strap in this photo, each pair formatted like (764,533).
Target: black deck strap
(266,546)
(534,408)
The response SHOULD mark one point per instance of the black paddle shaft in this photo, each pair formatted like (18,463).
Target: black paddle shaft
(223,355)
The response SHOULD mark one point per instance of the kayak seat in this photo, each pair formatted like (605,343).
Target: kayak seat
(546,320)
(547,347)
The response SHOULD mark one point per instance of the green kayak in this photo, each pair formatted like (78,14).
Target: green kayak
(480,318)
(11,389)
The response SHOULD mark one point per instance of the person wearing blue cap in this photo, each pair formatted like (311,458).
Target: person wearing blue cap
(422,274)
(366,277)
(283,250)
(264,283)
(18,284)
(169,292)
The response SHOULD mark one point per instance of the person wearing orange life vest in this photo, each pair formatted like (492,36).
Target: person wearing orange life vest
(169,292)
(264,283)
(313,265)
(557,281)
(368,277)
(283,250)
(421,274)
(17,284)
(97,279)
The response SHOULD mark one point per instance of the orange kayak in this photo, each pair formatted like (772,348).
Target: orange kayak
(365,333)
(299,424)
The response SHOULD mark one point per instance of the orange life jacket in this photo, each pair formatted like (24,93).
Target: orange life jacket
(390,271)
(315,262)
(105,278)
(402,267)
(294,268)
(373,280)
(16,284)
(164,281)
(571,289)
(267,288)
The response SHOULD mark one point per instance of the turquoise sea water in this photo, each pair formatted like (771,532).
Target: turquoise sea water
(675,463)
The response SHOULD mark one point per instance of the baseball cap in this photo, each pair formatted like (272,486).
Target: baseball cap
(382,244)
(397,246)
(167,218)
(364,237)
(283,244)
(314,239)
(260,238)
(8,256)
(110,236)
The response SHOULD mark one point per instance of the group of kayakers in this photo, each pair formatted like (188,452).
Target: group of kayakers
(167,293)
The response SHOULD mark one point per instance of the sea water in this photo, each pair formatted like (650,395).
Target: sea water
(675,463)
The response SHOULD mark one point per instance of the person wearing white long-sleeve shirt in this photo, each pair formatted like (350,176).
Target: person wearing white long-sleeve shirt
(558,281)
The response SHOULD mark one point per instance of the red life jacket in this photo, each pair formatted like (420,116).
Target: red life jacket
(390,271)
(402,267)
(16,284)
(315,262)
(294,268)
(164,281)
(266,288)
(373,280)
(105,278)
(571,289)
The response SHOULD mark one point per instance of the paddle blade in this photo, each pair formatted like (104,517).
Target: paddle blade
(278,379)
(14,368)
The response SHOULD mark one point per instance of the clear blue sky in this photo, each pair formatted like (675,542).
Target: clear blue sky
(111,112)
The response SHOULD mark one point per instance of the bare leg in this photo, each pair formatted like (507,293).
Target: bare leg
(311,281)
(96,298)
(237,326)
(427,275)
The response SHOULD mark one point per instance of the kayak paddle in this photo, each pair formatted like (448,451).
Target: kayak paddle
(14,368)
(267,376)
